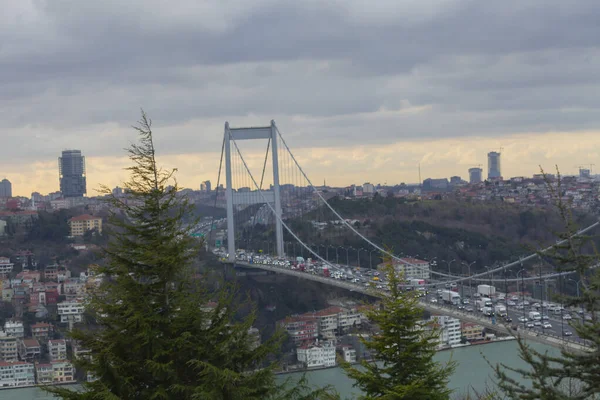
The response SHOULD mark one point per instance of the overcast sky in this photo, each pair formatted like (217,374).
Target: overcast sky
(361,90)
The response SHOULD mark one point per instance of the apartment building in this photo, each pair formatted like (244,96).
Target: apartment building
(349,318)
(41,330)
(57,349)
(6,266)
(16,374)
(317,355)
(450,329)
(14,328)
(300,329)
(82,223)
(71,311)
(472,331)
(62,371)
(44,374)
(8,347)
(348,353)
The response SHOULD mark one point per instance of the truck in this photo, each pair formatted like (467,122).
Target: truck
(450,297)
(534,316)
(500,310)
(486,290)
(484,302)
(489,311)
(326,273)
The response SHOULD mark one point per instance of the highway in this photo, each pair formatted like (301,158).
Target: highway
(552,336)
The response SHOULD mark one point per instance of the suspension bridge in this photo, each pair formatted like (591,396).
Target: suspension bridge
(271,200)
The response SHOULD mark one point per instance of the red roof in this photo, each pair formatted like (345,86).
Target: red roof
(41,325)
(31,343)
(83,217)
(9,363)
(58,341)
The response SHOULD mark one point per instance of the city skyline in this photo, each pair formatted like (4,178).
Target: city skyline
(441,159)
(348,99)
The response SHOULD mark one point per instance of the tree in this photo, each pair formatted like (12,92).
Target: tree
(404,350)
(572,374)
(156,337)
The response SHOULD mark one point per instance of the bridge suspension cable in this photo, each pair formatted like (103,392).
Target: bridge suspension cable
(453,278)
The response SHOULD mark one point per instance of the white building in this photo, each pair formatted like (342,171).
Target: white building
(411,268)
(6,266)
(317,355)
(62,371)
(450,329)
(57,349)
(16,374)
(349,354)
(71,311)
(14,328)
(368,188)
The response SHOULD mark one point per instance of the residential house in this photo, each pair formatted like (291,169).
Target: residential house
(57,349)
(29,350)
(73,288)
(16,374)
(8,347)
(349,318)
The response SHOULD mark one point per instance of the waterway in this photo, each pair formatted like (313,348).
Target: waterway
(472,372)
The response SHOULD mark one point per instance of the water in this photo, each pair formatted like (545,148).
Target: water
(473,371)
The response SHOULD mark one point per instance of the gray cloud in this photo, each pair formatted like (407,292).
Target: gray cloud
(74,74)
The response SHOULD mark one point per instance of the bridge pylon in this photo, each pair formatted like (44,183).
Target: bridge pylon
(267,132)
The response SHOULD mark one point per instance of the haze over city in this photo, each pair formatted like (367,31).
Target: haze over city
(387,87)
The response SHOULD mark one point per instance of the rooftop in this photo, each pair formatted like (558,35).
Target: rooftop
(84,217)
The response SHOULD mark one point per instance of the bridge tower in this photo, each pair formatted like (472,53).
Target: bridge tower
(272,196)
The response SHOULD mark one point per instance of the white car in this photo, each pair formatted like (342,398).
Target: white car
(529,325)
(547,325)
(523,319)
(433,300)
(567,316)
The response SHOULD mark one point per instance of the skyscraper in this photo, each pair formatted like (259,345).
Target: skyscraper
(71,169)
(475,175)
(494,166)
(208,186)
(5,188)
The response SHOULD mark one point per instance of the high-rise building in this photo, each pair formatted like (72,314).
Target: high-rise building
(5,188)
(208,186)
(71,169)
(583,173)
(494,166)
(475,175)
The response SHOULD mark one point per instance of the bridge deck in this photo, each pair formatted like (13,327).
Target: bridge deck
(464,316)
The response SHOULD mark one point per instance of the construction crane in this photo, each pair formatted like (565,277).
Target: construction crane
(590,165)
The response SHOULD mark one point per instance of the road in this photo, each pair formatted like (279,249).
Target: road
(553,338)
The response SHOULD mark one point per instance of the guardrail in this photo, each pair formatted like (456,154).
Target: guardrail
(546,338)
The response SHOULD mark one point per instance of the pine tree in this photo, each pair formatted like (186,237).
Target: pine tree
(155,336)
(573,374)
(404,350)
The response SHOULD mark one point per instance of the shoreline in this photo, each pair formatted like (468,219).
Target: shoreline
(40,386)
(460,346)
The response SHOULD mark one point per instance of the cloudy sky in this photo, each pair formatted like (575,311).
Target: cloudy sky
(362,90)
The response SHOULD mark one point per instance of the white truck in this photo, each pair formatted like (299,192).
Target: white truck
(450,297)
(484,302)
(489,311)
(486,290)
(500,310)
(534,316)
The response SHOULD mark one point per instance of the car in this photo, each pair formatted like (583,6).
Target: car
(465,301)
(511,303)
(567,333)
(523,319)
(545,316)
(536,305)
(547,325)
(530,324)
(537,323)
(508,319)
(461,307)
(469,309)
(433,300)
(567,316)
